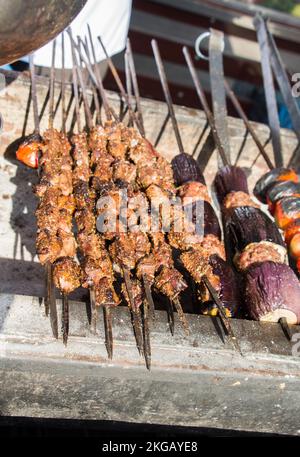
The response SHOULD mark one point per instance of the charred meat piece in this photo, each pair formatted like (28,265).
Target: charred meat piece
(122,251)
(137,294)
(260,252)
(159,173)
(97,143)
(106,294)
(186,169)
(116,146)
(103,171)
(230,179)
(236,199)
(280,190)
(192,192)
(286,211)
(85,221)
(141,151)
(124,171)
(48,246)
(69,244)
(147,266)
(272,291)
(81,171)
(84,196)
(66,275)
(29,151)
(276,175)
(90,244)
(96,269)
(170,282)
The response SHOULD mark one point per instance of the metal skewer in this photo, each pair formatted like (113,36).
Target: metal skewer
(50,298)
(34,97)
(222,314)
(108,330)
(94,89)
(52,81)
(77,68)
(108,110)
(65,318)
(115,74)
(167,94)
(204,103)
(135,312)
(248,125)
(286,328)
(135,88)
(63,82)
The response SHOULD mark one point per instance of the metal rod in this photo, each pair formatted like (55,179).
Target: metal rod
(170,312)
(167,94)
(52,80)
(34,96)
(88,114)
(65,318)
(181,315)
(63,83)
(135,87)
(149,296)
(119,84)
(248,125)
(286,328)
(270,94)
(51,300)
(128,82)
(224,319)
(93,309)
(75,83)
(108,330)
(94,89)
(147,344)
(99,82)
(135,313)
(204,103)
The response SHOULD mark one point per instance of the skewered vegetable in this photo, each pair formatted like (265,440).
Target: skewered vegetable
(29,150)
(230,179)
(286,211)
(280,190)
(272,291)
(186,169)
(276,175)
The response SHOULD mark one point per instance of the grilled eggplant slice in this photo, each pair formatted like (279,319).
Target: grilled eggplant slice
(276,175)
(230,179)
(186,169)
(280,190)
(245,225)
(272,291)
(286,211)
(205,220)
(229,290)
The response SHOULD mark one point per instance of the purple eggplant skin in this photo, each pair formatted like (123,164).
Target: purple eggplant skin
(263,184)
(186,169)
(230,179)
(205,220)
(270,286)
(230,293)
(281,189)
(245,225)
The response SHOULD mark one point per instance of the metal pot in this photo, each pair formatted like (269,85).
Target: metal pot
(27,25)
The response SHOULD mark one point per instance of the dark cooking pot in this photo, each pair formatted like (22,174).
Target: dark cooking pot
(26,25)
